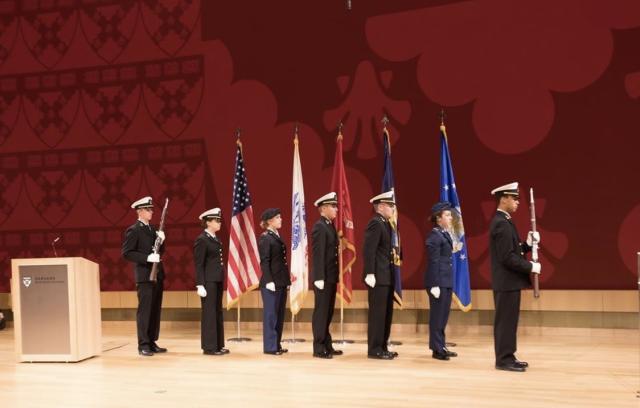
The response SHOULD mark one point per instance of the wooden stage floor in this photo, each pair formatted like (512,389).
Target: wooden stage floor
(586,368)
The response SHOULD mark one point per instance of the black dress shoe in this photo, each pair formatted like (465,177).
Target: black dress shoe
(224,351)
(213,352)
(157,349)
(381,356)
(275,353)
(394,354)
(283,350)
(324,354)
(440,355)
(336,352)
(521,363)
(145,352)
(510,367)
(450,353)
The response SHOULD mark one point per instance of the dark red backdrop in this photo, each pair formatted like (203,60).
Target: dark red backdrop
(103,102)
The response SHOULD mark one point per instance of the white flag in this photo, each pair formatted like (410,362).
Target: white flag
(299,244)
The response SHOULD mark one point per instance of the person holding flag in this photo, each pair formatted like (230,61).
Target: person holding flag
(438,278)
(378,275)
(325,275)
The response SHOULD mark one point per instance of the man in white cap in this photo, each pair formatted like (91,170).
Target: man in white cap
(510,272)
(138,249)
(378,276)
(324,269)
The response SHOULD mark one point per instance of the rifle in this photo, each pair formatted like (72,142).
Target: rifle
(534,246)
(153,276)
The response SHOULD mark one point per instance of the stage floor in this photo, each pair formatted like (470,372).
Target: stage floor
(589,368)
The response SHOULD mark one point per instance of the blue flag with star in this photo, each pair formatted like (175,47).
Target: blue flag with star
(448,192)
(387,185)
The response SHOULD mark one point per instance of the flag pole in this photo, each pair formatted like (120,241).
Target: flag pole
(293,338)
(442,116)
(238,339)
(341,273)
(385,121)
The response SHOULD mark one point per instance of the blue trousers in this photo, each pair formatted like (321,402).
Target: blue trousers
(438,317)
(273,317)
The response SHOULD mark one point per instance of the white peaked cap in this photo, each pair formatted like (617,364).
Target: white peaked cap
(330,198)
(212,213)
(507,189)
(146,202)
(386,197)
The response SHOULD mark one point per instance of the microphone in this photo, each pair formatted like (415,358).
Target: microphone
(53,245)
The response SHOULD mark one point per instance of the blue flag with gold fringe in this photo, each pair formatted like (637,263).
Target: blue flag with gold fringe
(387,185)
(448,192)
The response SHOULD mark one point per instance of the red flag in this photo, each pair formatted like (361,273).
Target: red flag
(344,224)
(243,269)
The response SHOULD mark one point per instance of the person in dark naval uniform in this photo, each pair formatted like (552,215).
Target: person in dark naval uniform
(138,249)
(207,257)
(510,272)
(378,276)
(274,281)
(438,278)
(324,242)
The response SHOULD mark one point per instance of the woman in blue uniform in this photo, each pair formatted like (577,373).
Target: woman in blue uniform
(274,282)
(438,278)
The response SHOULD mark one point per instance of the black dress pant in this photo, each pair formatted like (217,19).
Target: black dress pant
(274,306)
(324,305)
(438,318)
(380,318)
(148,314)
(212,321)
(505,327)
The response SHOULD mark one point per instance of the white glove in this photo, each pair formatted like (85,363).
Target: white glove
(153,258)
(319,284)
(161,235)
(202,292)
(271,286)
(370,280)
(536,267)
(435,291)
(533,237)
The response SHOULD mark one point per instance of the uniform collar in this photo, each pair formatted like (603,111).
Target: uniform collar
(506,214)
(211,235)
(326,220)
(273,232)
(143,223)
(381,217)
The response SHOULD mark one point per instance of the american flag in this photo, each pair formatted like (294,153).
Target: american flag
(243,268)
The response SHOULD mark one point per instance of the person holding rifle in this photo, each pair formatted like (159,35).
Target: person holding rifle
(138,248)
(510,273)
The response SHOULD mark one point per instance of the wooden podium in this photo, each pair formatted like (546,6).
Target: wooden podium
(56,309)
